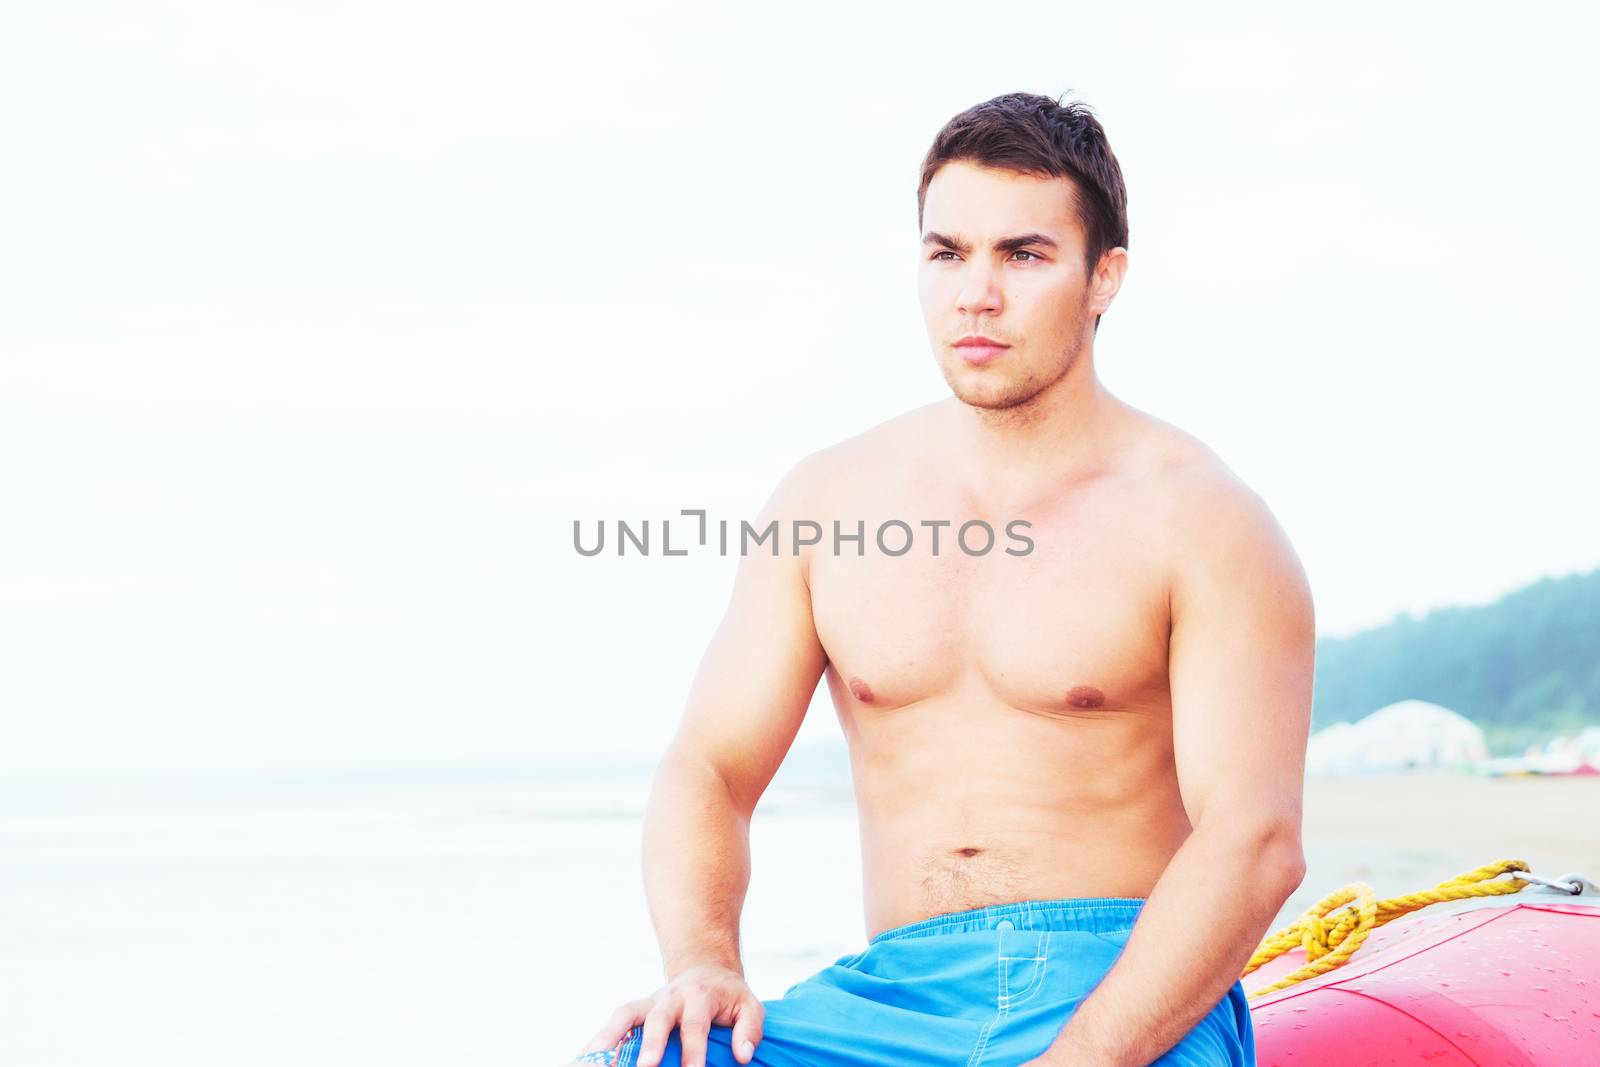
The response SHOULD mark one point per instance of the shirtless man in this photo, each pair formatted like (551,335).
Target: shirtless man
(1078,765)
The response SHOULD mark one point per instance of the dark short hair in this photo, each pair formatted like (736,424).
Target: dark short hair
(1034,134)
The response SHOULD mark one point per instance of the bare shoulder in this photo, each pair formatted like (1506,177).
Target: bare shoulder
(859,462)
(1187,474)
(1216,526)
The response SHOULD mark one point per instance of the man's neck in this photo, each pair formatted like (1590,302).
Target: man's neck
(1011,456)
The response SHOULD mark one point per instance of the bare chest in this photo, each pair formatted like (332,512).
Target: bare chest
(1071,621)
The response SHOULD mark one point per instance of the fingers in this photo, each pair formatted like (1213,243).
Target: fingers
(693,1029)
(691,1013)
(617,1023)
(747,1027)
(658,1024)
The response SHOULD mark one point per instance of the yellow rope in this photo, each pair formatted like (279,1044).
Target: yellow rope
(1330,938)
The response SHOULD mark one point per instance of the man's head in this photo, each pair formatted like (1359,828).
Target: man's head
(1024,226)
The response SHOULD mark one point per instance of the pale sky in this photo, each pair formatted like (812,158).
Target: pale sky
(321,323)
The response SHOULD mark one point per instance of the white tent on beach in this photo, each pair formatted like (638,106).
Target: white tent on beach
(1336,750)
(1400,736)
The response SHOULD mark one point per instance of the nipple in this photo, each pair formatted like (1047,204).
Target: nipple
(1085,696)
(860,690)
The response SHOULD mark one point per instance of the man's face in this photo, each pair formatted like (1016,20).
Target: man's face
(1002,258)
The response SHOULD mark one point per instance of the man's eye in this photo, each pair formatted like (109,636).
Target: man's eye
(1018,252)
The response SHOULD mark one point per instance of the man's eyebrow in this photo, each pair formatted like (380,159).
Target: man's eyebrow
(1005,244)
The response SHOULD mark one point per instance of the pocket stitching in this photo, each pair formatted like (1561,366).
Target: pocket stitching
(1035,979)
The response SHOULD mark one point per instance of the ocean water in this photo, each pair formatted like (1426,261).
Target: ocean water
(402,922)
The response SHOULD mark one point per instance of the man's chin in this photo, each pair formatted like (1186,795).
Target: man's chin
(993,396)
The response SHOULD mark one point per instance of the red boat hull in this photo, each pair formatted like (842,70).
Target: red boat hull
(1509,983)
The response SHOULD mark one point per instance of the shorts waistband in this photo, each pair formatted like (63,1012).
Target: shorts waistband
(1095,915)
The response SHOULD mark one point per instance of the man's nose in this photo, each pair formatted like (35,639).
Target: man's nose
(980,290)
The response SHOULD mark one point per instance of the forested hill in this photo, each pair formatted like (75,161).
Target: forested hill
(1527,663)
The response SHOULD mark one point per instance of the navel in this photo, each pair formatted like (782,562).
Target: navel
(1085,696)
(860,690)
(968,851)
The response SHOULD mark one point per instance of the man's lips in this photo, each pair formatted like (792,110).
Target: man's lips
(979,350)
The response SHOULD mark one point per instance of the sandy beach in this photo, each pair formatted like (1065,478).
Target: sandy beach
(1404,832)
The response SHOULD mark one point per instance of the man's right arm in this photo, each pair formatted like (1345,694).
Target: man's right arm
(744,709)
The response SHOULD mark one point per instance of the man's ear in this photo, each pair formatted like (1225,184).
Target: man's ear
(1107,280)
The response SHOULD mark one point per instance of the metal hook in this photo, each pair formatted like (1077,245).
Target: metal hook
(1571,884)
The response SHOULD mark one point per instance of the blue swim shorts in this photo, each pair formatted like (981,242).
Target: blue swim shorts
(990,985)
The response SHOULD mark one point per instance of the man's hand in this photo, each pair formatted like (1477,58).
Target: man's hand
(697,998)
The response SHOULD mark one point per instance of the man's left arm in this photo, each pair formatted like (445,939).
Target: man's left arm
(1240,657)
